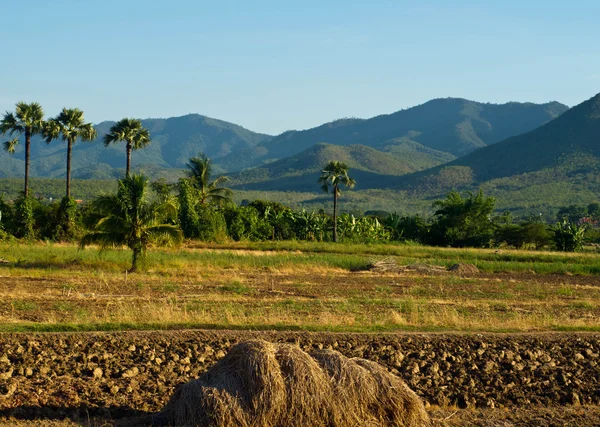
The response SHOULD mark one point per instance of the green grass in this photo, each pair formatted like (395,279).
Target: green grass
(21,305)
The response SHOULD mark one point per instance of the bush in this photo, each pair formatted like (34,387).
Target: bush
(568,236)
(211,224)
(523,235)
(244,223)
(407,228)
(463,222)
(24,220)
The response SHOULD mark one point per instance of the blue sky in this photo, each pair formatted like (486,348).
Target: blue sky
(276,65)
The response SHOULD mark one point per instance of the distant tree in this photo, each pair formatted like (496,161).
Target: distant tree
(69,126)
(593,210)
(128,219)
(28,120)
(199,173)
(132,132)
(572,213)
(333,175)
(463,222)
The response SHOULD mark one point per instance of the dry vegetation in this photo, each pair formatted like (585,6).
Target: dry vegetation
(314,287)
(57,287)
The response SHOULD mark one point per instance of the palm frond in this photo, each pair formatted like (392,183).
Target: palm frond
(52,130)
(11,125)
(10,146)
(103,239)
(168,235)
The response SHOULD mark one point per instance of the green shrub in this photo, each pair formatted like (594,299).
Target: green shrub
(568,236)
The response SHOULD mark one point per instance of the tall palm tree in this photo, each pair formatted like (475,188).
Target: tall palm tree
(199,172)
(333,175)
(132,132)
(28,119)
(69,126)
(128,219)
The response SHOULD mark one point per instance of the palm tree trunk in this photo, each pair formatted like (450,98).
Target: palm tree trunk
(27,156)
(69,150)
(128,159)
(136,260)
(335,214)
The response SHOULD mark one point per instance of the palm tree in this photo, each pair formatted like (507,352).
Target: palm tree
(199,172)
(27,119)
(333,175)
(69,126)
(128,219)
(132,132)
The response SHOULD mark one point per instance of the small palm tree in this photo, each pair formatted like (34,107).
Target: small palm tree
(132,132)
(128,219)
(69,126)
(199,172)
(333,175)
(28,119)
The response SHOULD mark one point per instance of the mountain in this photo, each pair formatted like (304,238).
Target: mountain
(566,148)
(366,164)
(174,141)
(452,125)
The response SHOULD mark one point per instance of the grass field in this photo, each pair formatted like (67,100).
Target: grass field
(296,286)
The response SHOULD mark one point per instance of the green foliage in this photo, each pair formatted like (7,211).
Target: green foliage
(69,126)
(279,217)
(208,192)
(572,213)
(245,223)
(362,229)
(189,219)
(311,226)
(526,234)
(135,135)
(24,220)
(334,175)
(163,191)
(463,222)
(66,220)
(403,228)
(568,236)
(27,120)
(127,218)
(212,226)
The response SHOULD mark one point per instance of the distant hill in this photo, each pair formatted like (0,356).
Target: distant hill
(367,164)
(453,126)
(562,149)
(174,141)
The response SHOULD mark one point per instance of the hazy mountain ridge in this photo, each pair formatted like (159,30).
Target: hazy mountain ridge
(417,138)
(568,145)
(174,141)
(452,125)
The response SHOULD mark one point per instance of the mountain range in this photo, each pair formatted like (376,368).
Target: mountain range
(532,157)
(174,141)
(452,125)
(403,142)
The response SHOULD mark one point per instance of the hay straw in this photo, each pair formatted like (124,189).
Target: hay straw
(260,384)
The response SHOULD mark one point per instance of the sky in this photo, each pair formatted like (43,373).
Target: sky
(272,66)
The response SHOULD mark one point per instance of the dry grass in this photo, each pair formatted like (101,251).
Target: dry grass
(262,384)
(222,289)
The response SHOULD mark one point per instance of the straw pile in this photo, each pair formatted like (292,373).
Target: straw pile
(261,384)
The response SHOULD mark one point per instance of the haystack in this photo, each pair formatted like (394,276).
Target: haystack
(464,269)
(261,384)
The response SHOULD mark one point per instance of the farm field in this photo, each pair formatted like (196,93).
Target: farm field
(535,315)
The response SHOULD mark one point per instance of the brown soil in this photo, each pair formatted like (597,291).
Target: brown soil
(114,375)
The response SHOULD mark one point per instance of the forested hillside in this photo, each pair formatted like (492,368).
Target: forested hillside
(454,126)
